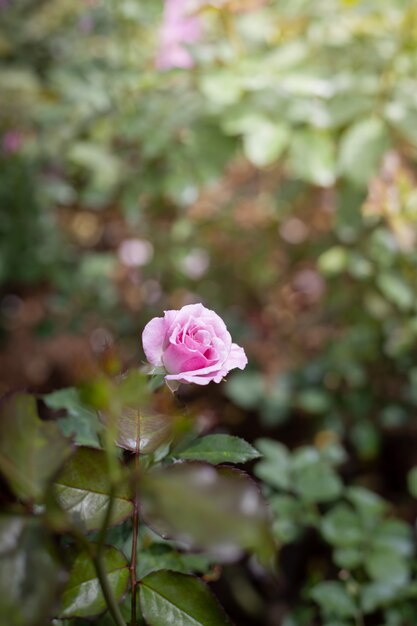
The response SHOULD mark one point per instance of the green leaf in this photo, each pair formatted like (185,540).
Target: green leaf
(361,149)
(31,450)
(314,480)
(333,599)
(366,437)
(412,482)
(274,468)
(217,509)
(289,517)
(217,449)
(315,401)
(31,577)
(245,389)
(333,261)
(404,119)
(396,290)
(368,504)
(312,157)
(264,143)
(173,599)
(83,596)
(221,87)
(81,422)
(395,535)
(348,558)
(160,556)
(83,489)
(387,566)
(342,527)
(377,595)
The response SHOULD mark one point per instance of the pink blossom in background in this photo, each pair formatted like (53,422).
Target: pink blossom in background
(179,29)
(193,345)
(135,252)
(11,141)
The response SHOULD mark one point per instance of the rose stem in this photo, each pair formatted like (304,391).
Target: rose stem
(97,558)
(133,559)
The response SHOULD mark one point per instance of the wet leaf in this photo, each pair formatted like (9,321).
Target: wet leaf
(173,599)
(31,577)
(83,596)
(153,430)
(217,449)
(31,450)
(83,488)
(217,509)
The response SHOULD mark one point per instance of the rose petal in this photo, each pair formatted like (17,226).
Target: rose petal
(236,358)
(153,338)
(202,336)
(216,322)
(191,310)
(203,371)
(178,358)
(170,320)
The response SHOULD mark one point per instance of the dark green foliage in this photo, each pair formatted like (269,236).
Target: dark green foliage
(82,595)
(80,423)
(31,575)
(31,451)
(171,598)
(83,490)
(372,551)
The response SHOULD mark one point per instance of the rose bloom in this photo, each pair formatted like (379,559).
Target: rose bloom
(180,28)
(193,345)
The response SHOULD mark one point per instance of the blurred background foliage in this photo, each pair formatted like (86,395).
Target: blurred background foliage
(258,156)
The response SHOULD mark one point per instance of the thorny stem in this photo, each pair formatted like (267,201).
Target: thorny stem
(133,559)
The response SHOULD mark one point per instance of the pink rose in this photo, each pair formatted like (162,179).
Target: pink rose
(180,28)
(193,345)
